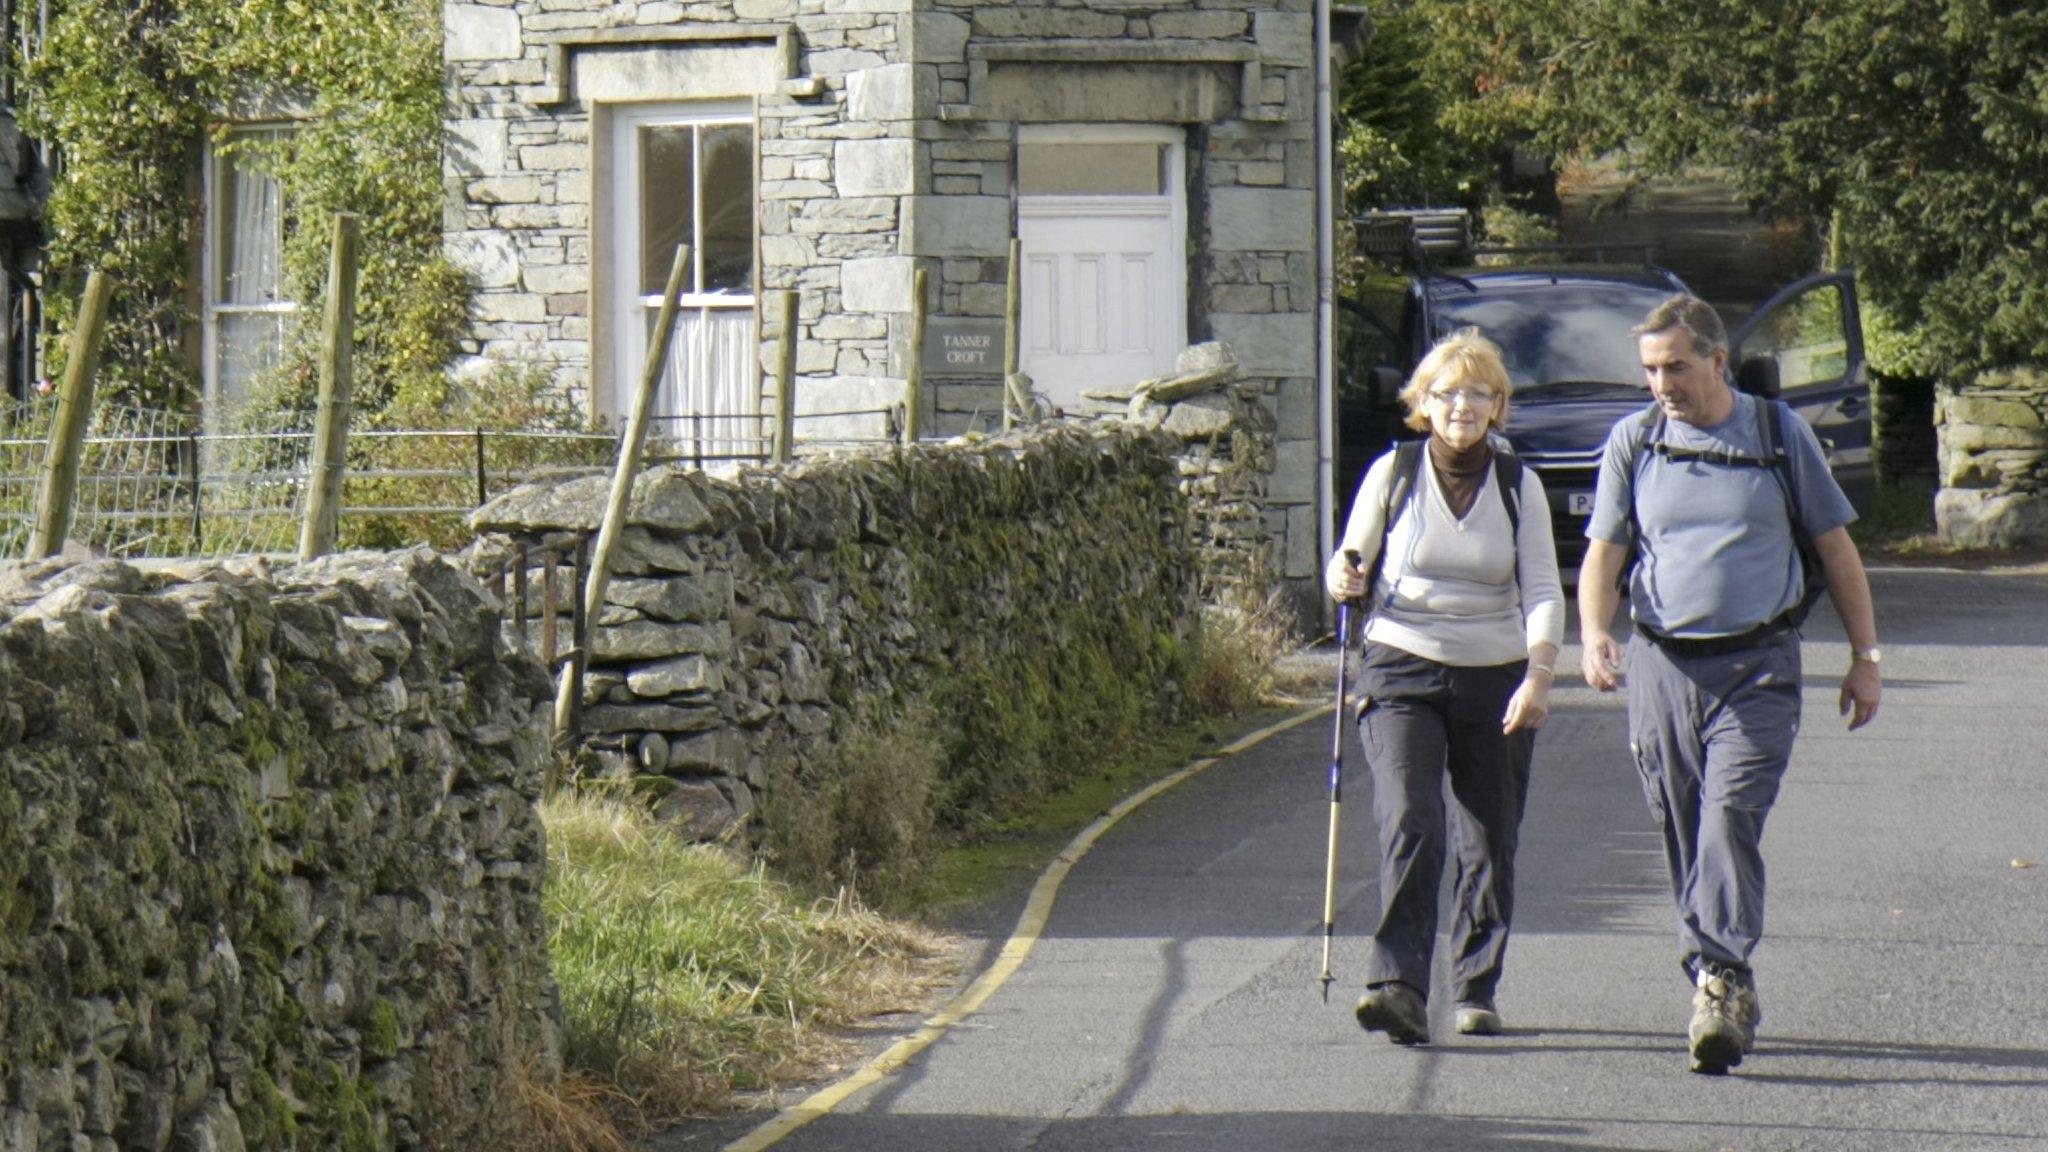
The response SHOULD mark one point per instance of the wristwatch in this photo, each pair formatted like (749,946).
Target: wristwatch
(1873,654)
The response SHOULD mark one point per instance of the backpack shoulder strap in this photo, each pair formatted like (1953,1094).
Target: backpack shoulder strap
(1507,476)
(1400,493)
(1401,489)
(1770,438)
(1649,434)
(1770,431)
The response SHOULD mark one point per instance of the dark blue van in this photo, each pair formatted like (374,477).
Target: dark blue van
(1565,336)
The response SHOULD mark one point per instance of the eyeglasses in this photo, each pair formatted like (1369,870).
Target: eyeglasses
(1473,397)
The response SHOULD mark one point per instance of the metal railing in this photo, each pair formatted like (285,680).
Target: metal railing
(165,494)
(684,439)
(151,484)
(540,587)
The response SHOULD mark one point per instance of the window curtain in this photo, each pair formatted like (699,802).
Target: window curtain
(710,397)
(252,271)
(249,337)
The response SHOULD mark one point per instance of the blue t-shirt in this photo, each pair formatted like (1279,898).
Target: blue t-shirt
(1716,550)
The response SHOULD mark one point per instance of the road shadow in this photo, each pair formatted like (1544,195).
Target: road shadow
(1882,1059)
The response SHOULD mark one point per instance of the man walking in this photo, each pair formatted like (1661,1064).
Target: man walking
(1727,502)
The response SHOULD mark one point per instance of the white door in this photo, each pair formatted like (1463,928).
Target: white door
(686,175)
(1101,223)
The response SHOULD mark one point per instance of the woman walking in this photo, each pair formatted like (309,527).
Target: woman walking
(1459,655)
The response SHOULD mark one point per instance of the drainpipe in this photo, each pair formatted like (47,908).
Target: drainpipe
(1326,308)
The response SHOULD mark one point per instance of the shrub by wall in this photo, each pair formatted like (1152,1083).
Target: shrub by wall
(270,870)
(1029,600)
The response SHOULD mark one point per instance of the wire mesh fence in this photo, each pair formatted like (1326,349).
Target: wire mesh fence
(155,484)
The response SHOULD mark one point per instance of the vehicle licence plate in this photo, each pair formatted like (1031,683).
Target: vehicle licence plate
(1579,503)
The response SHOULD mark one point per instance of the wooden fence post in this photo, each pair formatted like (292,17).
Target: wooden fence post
(61,459)
(630,447)
(337,395)
(782,445)
(913,384)
(1012,410)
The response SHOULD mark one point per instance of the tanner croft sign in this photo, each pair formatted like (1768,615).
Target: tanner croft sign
(963,346)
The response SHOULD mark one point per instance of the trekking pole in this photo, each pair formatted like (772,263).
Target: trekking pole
(1336,785)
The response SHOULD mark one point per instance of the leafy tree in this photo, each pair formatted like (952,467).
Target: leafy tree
(1395,148)
(1918,127)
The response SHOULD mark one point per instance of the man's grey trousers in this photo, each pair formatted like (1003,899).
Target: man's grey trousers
(1423,723)
(1711,736)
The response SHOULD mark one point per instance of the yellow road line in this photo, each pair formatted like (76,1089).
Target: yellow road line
(1032,922)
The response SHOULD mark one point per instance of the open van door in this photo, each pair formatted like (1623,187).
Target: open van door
(1805,346)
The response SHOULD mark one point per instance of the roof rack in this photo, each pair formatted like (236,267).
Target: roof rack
(1414,233)
(1425,236)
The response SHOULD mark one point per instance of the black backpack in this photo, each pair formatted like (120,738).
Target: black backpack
(1770,432)
(1408,459)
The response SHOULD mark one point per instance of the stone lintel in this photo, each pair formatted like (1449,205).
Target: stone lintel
(1113,51)
(1039,91)
(561,44)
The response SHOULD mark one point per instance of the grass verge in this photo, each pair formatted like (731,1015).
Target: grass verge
(687,976)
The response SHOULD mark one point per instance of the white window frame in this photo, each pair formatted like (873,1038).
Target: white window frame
(211,272)
(628,305)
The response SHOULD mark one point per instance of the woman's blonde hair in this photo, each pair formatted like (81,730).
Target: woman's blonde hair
(1463,358)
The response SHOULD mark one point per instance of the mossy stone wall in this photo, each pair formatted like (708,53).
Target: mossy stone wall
(1035,595)
(270,869)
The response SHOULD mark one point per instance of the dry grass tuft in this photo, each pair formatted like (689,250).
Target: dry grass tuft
(862,816)
(1237,653)
(578,1114)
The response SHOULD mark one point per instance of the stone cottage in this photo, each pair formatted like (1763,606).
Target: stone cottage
(1156,160)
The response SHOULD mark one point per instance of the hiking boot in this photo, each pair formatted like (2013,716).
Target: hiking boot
(1397,1010)
(1478,1018)
(1753,1015)
(1724,1013)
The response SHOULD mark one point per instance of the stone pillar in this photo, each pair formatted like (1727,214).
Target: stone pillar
(1993,459)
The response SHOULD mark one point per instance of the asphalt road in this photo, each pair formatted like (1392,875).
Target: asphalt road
(1173,1001)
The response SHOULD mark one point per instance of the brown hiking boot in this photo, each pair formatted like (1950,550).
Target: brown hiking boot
(1397,1010)
(1724,1014)
(1478,1018)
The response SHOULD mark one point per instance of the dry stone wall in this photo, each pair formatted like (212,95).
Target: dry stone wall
(270,868)
(1035,594)
(1994,460)
(1227,447)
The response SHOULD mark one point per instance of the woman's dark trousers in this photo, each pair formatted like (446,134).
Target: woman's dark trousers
(1423,724)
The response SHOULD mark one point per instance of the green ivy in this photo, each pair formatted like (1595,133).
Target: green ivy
(132,93)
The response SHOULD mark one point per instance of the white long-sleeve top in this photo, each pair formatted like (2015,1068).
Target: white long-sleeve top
(1468,593)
